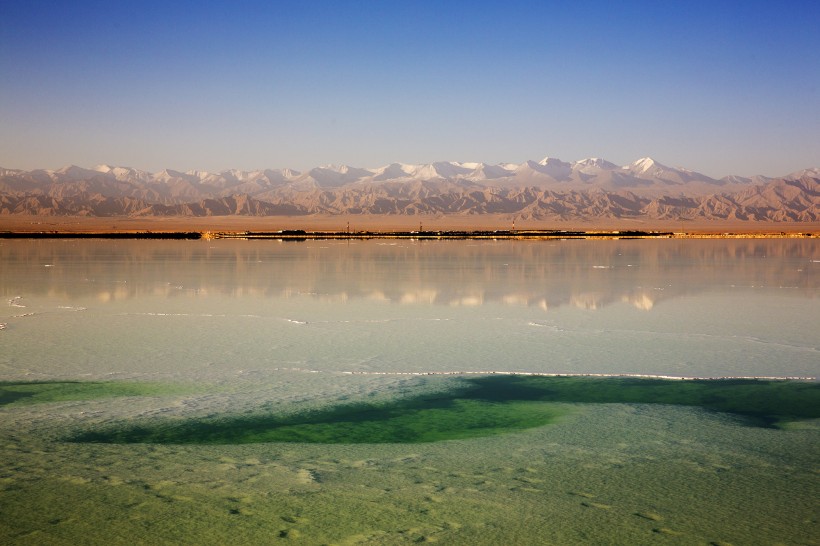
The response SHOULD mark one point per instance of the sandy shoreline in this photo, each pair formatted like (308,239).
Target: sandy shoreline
(382,223)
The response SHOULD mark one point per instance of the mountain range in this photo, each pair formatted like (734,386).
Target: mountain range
(547,189)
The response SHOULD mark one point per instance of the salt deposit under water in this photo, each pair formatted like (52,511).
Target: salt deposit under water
(232,328)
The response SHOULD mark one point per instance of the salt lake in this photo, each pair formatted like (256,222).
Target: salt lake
(163,335)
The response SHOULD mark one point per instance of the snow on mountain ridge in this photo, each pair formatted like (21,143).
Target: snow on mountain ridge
(73,172)
(644,174)
(392,172)
(644,164)
(441,169)
(591,163)
(489,172)
(588,188)
(555,167)
(813,173)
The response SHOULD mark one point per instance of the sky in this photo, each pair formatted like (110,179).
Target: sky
(720,87)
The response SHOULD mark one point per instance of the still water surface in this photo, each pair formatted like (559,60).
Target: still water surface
(232,328)
(680,308)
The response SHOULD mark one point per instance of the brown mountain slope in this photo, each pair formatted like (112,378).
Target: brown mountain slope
(780,200)
(580,191)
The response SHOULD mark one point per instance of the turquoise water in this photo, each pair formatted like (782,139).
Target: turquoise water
(151,338)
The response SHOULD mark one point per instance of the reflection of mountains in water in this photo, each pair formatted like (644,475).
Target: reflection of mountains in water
(584,274)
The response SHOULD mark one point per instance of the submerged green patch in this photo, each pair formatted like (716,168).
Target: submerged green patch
(413,420)
(24,393)
(760,402)
(479,407)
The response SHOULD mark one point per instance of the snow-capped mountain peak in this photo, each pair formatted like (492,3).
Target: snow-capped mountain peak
(813,173)
(440,169)
(594,163)
(643,165)
(393,171)
(554,167)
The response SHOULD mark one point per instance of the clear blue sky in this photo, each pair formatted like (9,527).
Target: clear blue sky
(723,87)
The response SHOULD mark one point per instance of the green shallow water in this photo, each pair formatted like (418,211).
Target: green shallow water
(476,407)
(23,393)
(617,469)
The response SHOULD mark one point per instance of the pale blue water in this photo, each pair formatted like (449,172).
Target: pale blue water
(683,308)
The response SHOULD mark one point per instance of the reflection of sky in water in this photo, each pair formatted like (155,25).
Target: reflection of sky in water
(705,308)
